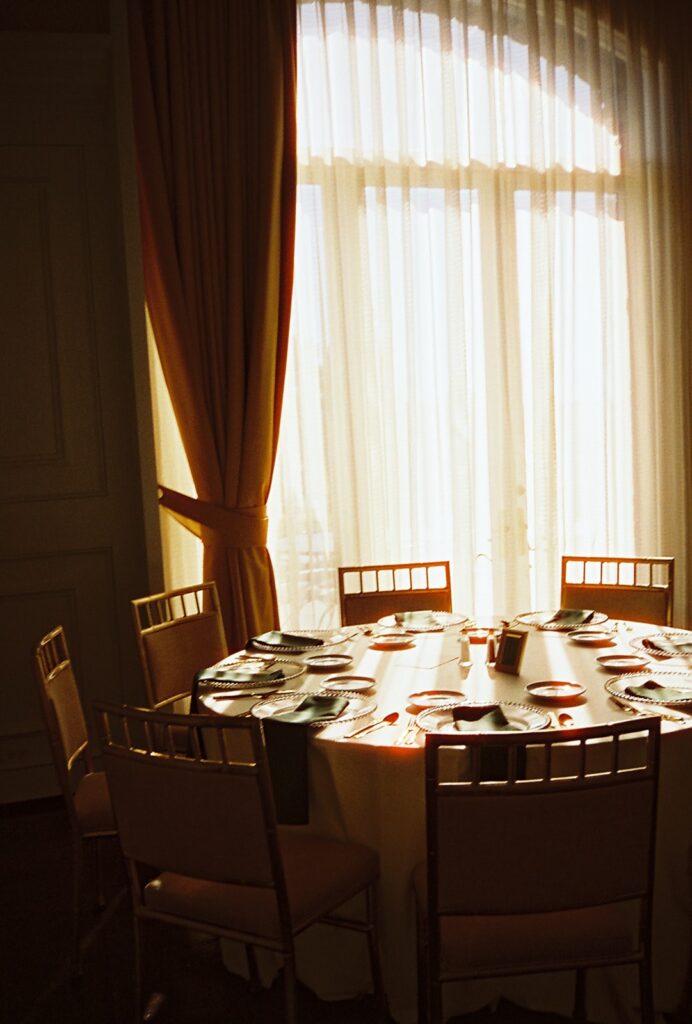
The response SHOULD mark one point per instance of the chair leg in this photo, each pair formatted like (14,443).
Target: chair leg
(374,951)
(646,992)
(253,973)
(100,897)
(77,872)
(579,1012)
(290,988)
(422,973)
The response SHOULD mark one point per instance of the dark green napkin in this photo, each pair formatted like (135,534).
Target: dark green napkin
(275,638)
(286,738)
(482,718)
(572,617)
(651,690)
(418,619)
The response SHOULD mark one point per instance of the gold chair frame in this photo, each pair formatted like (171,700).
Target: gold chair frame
(639,589)
(528,872)
(86,799)
(401,587)
(178,632)
(204,821)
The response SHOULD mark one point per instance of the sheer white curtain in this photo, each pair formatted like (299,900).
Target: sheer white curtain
(480,366)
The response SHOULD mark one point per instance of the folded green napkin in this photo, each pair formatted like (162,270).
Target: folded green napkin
(651,690)
(316,707)
(572,617)
(482,718)
(419,619)
(285,735)
(275,638)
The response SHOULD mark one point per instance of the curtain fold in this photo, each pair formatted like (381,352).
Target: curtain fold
(490,354)
(214,106)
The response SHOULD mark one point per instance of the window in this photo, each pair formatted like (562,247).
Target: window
(461,379)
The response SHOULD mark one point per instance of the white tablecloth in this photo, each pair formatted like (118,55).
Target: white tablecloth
(370,790)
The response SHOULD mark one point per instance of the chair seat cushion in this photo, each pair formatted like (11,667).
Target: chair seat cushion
(500,943)
(92,804)
(321,874)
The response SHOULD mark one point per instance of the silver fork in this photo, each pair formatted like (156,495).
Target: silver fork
(408,734)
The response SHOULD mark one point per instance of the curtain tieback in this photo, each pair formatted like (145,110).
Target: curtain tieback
(234,527)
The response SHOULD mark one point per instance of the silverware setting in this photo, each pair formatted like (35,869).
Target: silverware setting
(651,709)
(408,736)
(389,719)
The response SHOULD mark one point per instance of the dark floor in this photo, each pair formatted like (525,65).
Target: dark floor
(35,986)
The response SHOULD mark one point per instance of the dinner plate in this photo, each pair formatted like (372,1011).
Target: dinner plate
(591,637)
(541,620)
(555,690)
(440,621)
(434,698)
(329,638)
(648,644)
(328,662)
(356,707)
(520,715)
(618,686)
(354,684)
(391,641)
(622,662)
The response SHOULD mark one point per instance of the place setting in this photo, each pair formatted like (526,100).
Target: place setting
(474,716)
(667,688)
(562,620)
(243,675)
(328,707)
(299,641)
(671,645)
(423,621)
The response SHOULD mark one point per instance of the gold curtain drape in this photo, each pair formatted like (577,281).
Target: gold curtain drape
(214,107)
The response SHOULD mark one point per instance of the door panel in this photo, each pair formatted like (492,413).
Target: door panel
(72,538)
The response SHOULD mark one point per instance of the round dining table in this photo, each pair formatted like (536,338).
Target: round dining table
(370,788)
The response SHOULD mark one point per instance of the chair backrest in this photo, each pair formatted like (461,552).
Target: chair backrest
(178,633)
(62,709)
(572,824)
(367,592)
(207,813)
(640,589)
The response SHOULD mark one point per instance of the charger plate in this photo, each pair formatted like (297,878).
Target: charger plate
(522,716)
(357,705)
(617,686)
(541,621)
(647,644)
(330,638)
(291,670)
(441,621)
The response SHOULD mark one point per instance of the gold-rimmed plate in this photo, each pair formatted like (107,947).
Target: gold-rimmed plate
(519,716)
(423,621)
(545,620)
(555,690)
(357,706)
(658,687)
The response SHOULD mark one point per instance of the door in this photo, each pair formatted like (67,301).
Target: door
(72,512)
